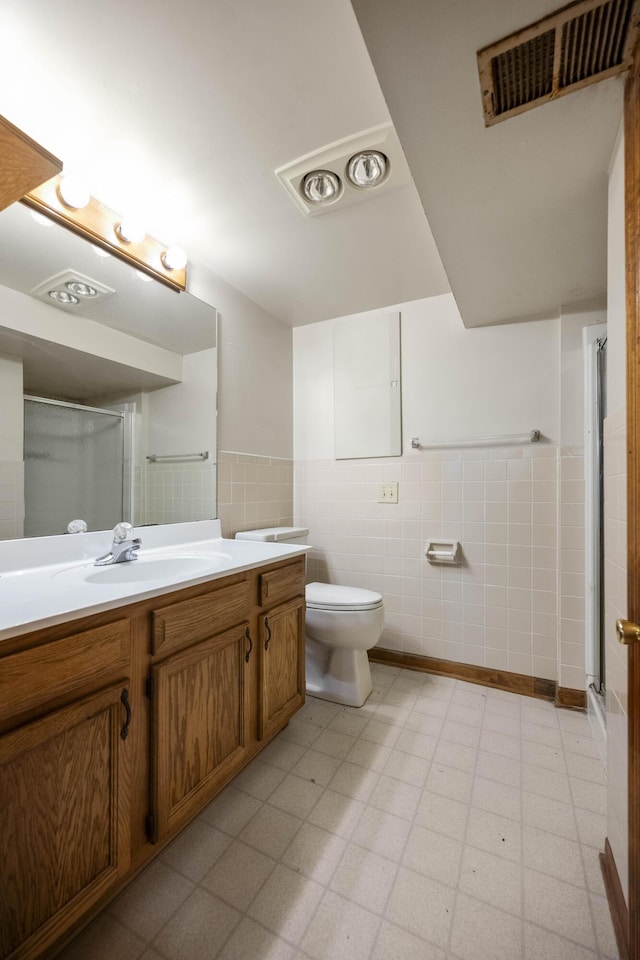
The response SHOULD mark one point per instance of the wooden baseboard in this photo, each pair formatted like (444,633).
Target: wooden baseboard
(617,903)
(571,699)
(486,676)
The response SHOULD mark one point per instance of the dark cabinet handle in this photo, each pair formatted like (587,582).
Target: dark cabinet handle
(268,629)
(248,636)
(124,700)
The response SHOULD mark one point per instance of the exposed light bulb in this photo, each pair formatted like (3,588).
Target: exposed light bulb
(174,258)
(80,289)
(321,186)
(61,296)
(130,230)
(367,169)
(42,220)
(73,193)
(144,276)
(99,252)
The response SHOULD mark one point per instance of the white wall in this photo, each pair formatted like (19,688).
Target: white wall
(11,421)
(182,418)
(254,372)
(456,383)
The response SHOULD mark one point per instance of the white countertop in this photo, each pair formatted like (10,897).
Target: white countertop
(49,580)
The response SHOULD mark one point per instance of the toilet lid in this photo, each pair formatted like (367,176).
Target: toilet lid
(329,596)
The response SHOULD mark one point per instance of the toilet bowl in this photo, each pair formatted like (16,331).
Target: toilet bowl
(342,624)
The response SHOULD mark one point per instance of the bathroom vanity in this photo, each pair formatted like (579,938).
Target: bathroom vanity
(119,725)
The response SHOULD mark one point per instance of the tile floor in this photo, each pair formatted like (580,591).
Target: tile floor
(441,820)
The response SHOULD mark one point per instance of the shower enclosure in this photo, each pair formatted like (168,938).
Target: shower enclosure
(78,465)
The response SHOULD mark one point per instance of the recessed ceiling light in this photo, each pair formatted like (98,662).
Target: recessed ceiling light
(367,169)
(81,289)
(62,296)
(321,187)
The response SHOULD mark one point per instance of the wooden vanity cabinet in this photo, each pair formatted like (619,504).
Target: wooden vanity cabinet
(113,737)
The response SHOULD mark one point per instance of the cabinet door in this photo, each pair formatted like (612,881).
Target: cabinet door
(200,724)
(64,813)
(281,666)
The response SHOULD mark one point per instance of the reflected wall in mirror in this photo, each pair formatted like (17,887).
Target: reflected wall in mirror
(366,369)
(135,349)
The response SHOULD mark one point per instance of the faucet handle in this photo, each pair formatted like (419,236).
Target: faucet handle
(122,531)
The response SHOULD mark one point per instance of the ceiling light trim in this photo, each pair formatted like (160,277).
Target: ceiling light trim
(335,158)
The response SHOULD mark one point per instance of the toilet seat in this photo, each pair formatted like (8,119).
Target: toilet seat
(329,596)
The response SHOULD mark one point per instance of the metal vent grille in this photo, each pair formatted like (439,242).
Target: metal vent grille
(584,42)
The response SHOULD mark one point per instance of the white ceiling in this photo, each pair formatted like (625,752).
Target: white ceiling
(182,113)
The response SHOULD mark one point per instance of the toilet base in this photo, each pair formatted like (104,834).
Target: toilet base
(337,674)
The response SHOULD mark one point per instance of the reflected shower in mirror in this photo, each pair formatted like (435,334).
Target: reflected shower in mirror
(134,354)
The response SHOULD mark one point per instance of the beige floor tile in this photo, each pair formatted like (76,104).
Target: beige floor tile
(286,903)
(589,796)
(499,723)
(372,756)
(301,732)
(460,733)
(432,707)
(195,850)
(593,870)
(354,781)
(501,706)
(334,744)
(397,944)
(400,698)
(336,813)
(149,954)
(282,753)
(392,714)
(364,877)
(492,880)
(296,796)
(449,782)
(574,722)
(382,733)
(270,831)
(314,852)
(442,814)
(259,779)
(497,798)
(382,833)
(604,928)
(559,907)
(348,723)
(316,767)
(425,723)
(470,716)
(551,815)
(554,855)
(491,766)
(320,712)
(422,906)
(433,855)
(417,744)
(539,944)
(592,828)
(340,929)
(481,932)
(395,797)
(546,783)
(582,743)
(150,900)
(250,941)
(198,930)
(231,810)
(500,743)
(406,767)
(456,755)
(540,733)
(533,712)
(469,696)
(238,875)
(586,768)
(104,939)
(495,834)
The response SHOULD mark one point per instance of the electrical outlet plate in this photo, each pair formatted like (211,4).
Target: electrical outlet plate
(388,492)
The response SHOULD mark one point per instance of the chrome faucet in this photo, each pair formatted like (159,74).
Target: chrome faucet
(124,547)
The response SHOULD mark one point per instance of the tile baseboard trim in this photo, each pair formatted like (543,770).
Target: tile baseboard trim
(615,897)
(486,676)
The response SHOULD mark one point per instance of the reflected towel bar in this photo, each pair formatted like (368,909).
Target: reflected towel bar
(534,436)
(155,458)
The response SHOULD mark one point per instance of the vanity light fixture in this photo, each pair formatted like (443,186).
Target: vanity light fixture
(62,296)
(110,233)
(174,258)
(367,169)
(321,187)
(73,193)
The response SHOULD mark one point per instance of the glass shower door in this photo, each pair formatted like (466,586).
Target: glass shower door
(74,466)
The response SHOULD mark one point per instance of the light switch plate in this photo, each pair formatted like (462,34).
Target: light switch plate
(388,492)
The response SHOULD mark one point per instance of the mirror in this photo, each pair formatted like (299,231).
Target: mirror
(366,384)
(143,360)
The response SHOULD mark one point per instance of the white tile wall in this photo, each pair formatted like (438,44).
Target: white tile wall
(11,499)
(253,491)
(500,607)
(615,545)
(177,492)
(571,567)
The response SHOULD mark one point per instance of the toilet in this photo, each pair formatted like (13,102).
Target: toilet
(342,624)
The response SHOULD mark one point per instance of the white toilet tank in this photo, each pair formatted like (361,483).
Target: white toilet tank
(297,535)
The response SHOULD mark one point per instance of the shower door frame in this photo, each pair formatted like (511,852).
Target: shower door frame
(128,443)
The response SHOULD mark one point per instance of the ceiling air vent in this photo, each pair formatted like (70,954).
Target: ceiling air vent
(580,44)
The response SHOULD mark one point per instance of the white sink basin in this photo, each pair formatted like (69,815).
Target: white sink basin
(146,569)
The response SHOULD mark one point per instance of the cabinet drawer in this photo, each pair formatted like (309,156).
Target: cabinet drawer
(43,674)
(184,623)
(282,584)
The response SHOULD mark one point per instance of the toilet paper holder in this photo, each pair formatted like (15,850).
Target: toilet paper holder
(443,551)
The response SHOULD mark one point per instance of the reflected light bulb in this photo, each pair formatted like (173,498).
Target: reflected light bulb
(130,230)
(73,193)
(174,258)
